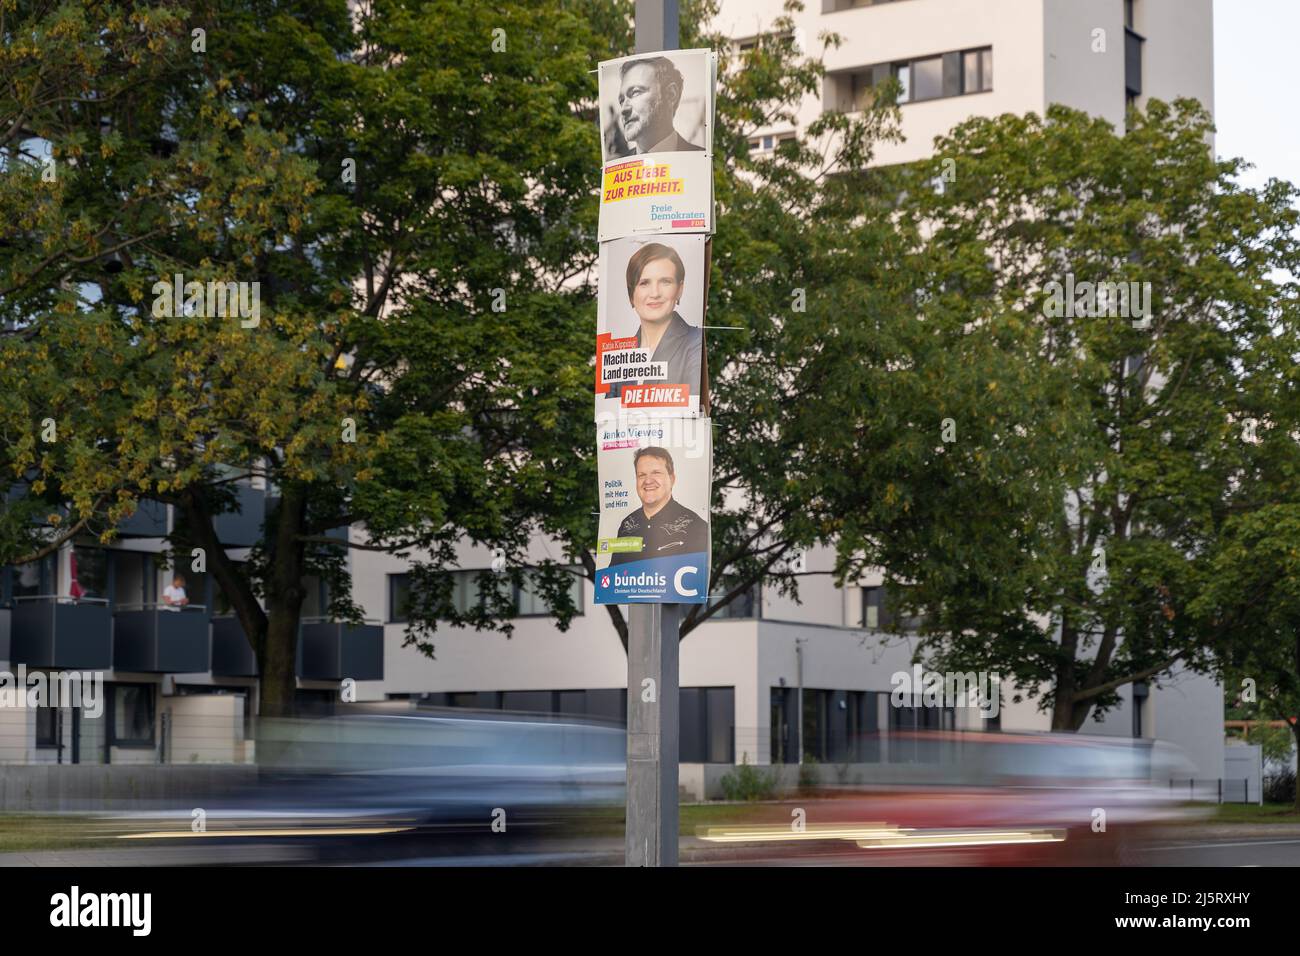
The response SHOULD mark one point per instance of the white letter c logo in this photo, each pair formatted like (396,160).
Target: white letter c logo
(681,588)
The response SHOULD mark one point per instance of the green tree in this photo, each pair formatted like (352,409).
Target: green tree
(822,367)
(379,172)
(1079,583)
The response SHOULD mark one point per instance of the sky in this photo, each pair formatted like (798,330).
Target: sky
(1256,109)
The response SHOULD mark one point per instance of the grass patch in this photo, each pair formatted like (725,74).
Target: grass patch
(728,814)
(1255,813)
(23,832)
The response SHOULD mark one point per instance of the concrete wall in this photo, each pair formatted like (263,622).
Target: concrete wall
(17,735)
(1243,761)
(206,728)
(1074,72)
(98,788)
(1178,56)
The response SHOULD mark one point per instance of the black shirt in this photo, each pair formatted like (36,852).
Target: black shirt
(681,348)
(675,530)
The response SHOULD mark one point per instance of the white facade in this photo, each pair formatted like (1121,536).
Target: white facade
(1043,51)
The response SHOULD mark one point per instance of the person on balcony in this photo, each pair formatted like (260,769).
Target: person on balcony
(174,597)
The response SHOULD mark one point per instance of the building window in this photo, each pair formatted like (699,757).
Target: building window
(927,79)
(1128,14)
(1132,65)
(465,595)
(88,573)
(779,40)
(835,6)
(707,730)
(49,723)
(782,743)
(33,580)
(133,578)
(906,742)
(399,597)
(131,707)
(746,605)
(769,142)
(1141,691)
(880,612)
(840,726)
(940,76)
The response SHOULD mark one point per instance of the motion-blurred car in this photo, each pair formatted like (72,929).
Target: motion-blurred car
(379,785)
(983,799)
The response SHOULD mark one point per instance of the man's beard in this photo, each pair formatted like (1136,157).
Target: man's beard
(645,134)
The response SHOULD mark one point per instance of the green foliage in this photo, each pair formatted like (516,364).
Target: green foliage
(1280,787)
(1071,452)
(747,782)
(808,778)
(472,172)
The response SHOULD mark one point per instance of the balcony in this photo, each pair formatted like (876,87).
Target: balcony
(232,654)
(155,639)
(331,650)
(58,632)
(327,650)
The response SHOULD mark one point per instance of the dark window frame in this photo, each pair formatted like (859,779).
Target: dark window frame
(111,736)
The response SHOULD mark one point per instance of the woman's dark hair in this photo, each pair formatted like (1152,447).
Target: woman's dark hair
(652,252)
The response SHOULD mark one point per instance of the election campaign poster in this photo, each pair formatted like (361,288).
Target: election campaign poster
(656,116)
(653,544)
(650,327)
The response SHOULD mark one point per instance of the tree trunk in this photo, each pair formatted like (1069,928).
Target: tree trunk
(278,673)
(277,663)
(1294,721)
(1295,732)
(1064,711)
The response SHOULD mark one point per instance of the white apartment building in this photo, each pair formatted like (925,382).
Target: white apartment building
(961,58)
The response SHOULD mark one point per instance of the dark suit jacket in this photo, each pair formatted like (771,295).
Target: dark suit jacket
(682,347)
(675,143)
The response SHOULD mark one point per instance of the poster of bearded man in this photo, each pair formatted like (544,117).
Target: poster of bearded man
(656,123)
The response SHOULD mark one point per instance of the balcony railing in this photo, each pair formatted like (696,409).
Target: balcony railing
(327,650)
(161,639)
(332,650)
(50,630)
(232,653)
